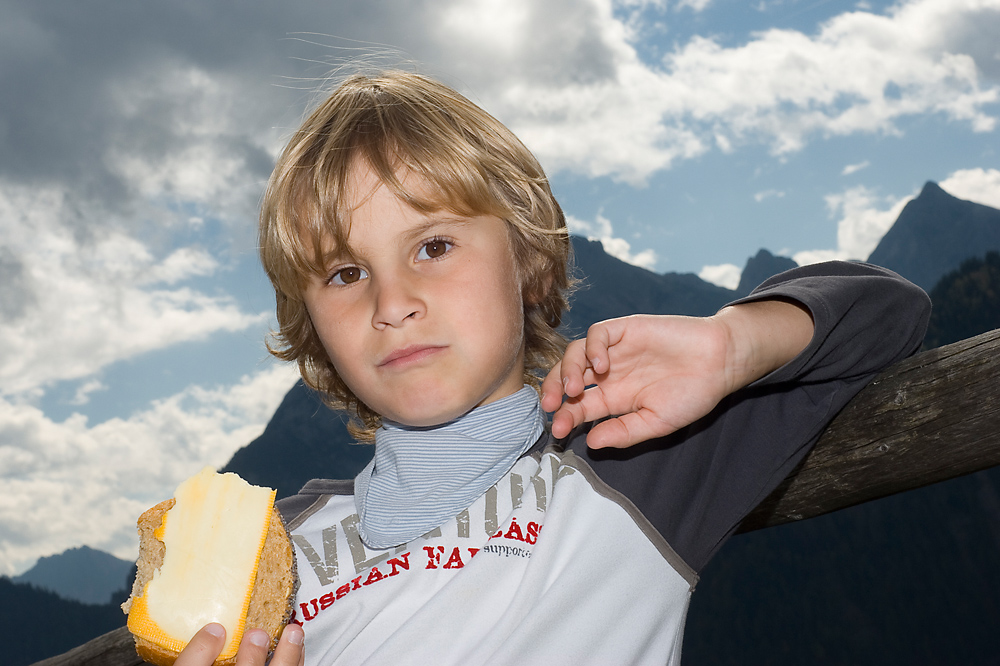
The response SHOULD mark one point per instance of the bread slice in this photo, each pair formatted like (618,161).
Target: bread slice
(272,598)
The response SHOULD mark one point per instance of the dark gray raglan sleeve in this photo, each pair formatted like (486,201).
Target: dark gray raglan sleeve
(295,509)
(696,485)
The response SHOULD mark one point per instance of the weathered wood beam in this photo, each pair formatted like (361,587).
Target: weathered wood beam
(932,417)
(115,648)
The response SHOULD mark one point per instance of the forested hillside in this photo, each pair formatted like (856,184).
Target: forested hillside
(966,301)
(39,624)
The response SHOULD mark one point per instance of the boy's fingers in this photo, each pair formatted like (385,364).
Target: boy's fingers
(203,647)
(588,407)
(552,389)
(598,340)
(574,363)
(624,431)
(253,648)
(290,650)
(585,362)
(562,424)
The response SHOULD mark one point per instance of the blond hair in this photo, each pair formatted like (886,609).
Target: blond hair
(402,122)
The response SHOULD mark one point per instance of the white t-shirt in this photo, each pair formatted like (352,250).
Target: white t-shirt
(549,566)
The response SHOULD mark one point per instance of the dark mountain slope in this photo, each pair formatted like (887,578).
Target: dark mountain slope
(760,267)
(81,574)
(966,301)
(934,234)
(303,440)
(612,288)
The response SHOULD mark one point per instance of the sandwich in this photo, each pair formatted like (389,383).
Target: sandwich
(218,551)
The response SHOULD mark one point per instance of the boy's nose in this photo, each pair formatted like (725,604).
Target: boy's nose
(395,302)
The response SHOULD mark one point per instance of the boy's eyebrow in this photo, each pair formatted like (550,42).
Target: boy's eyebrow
(341,254)
(435,221)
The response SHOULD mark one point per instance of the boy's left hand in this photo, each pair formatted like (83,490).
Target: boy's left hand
(206,645)
(658,373)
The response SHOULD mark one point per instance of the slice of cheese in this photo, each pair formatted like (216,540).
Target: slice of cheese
(213,537)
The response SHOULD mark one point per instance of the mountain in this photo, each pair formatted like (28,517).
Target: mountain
(759,268)
(303,440)
(934,234)
(81,574)
(610,288)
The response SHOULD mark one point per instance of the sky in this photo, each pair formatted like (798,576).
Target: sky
(136,140)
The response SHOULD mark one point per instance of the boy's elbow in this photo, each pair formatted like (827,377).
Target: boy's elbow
(915,309)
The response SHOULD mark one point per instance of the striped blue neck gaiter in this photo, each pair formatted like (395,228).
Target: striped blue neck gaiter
(421,477)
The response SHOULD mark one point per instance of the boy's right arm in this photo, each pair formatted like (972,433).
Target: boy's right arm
(206,645)
(696,484)
(651,375)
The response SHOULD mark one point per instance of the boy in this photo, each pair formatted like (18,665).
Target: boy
(419,263)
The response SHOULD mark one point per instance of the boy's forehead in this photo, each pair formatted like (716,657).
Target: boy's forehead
(363,182)
(410,190)
(363,185)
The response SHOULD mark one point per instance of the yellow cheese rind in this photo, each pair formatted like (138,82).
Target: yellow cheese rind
(213,537)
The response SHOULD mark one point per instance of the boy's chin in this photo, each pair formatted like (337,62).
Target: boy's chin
(432,407)
(423,420)
(426,416)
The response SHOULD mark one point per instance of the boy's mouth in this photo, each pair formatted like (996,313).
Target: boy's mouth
(407,355)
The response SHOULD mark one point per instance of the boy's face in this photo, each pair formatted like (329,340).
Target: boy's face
(426,321)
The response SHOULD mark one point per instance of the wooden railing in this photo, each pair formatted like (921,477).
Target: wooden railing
(930,418)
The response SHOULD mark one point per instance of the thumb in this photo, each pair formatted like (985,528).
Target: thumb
(204,646)
(626,430)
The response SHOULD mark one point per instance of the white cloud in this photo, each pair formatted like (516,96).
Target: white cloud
(621,249)
(68,484)
(860,73)
(722,275)
(491,22)
(854,168)
(77,301)
(179,265)
(979,185)
(864,218)
(82,395)
(807,257)
(641,4)
(185,137)
(767,194)
(600,229)
(696,5)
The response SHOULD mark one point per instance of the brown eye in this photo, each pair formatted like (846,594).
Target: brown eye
(348,275)
(434,249)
